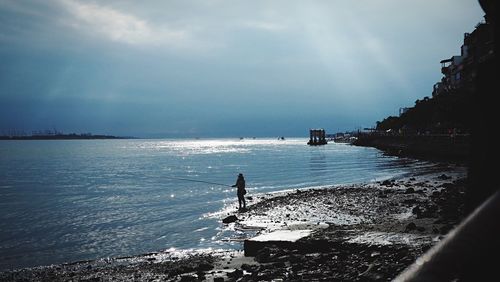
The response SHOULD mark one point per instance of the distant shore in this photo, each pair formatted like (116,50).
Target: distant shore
(72,136)
(359,232)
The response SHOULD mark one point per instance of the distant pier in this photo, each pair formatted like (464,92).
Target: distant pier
(317,137)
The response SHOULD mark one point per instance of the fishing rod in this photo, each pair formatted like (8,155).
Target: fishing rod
(193,180)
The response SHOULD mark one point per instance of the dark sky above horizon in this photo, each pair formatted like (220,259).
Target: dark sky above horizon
(220,68)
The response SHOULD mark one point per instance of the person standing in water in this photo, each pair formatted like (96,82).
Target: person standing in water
(240,184)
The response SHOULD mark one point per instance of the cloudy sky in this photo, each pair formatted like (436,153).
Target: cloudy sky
(220,68)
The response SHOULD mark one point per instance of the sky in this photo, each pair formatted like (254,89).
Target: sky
(189,68)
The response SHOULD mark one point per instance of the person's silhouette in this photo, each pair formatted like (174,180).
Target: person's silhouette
(240,184)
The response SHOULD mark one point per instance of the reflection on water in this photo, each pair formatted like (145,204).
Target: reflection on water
(318,164)
(82,199)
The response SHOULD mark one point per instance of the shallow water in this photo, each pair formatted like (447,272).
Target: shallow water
(70,200)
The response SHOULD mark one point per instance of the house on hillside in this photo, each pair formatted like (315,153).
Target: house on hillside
(460,71)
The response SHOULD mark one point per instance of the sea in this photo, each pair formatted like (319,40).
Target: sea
(71,200)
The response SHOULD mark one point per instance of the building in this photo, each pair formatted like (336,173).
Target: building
(460,71)
(477,48)
(403,110)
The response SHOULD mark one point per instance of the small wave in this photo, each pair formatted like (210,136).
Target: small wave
(201,229)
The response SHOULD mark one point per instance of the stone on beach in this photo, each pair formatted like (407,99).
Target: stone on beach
(230,219)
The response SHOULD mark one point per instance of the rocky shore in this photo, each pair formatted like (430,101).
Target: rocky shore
(427,147)
(360,232)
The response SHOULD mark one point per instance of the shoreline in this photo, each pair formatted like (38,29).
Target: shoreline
(366,231)
(443,147)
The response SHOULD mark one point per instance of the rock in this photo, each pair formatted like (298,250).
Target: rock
(201,275)
(249,268)
(279,264)
(447,185)
(387,183)
(411,226)
(186,278)
(444,177)
(416,210)
(229,219)
(204,267)
(236,273)
(410,201)
(381,194)
(409,191)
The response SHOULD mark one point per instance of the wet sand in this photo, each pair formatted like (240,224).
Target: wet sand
(359,232)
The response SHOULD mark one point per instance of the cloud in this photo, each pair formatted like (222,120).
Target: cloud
(119,26)
(295,62)
(264,25)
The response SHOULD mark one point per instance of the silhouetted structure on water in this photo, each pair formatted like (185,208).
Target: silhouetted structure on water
(317,137)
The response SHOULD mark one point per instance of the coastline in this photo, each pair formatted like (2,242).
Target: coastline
(359,232)
(442,147)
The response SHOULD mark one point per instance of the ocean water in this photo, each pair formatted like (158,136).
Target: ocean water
(71,200)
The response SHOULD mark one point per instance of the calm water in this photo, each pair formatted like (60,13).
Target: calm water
(63,201)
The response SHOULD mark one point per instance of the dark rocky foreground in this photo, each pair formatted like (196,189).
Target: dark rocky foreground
(378,247)
(142,268)
(363,232)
